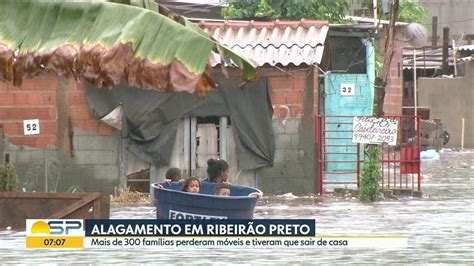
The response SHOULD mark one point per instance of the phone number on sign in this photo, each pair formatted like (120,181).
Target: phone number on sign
(373,138)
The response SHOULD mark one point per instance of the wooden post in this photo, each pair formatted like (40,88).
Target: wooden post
(454,59)
(445,50)
(434,30)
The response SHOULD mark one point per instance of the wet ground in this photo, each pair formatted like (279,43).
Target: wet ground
(439,226)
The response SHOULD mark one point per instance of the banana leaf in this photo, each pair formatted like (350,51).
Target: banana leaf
(105,43)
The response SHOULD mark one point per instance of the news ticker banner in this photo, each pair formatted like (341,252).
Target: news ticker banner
(75,233)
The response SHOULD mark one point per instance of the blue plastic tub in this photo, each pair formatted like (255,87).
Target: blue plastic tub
(171,203)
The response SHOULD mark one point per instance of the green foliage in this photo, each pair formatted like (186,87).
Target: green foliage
(8,178)
(332,10)
(408,10)
(370,190)
(235,177)
(378,60)
(412,11)
(37,27)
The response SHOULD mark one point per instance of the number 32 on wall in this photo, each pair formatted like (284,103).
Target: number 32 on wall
(31,127)
(347,89)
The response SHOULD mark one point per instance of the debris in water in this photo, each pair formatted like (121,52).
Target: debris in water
(288,196)
(429,155)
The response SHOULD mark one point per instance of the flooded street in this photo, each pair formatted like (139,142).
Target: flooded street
(439,227)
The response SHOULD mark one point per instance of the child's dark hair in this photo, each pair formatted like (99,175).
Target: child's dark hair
(174,174)
(215,167)
(188,181)
(221,186)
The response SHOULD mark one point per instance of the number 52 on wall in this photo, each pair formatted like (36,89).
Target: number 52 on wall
(31,127)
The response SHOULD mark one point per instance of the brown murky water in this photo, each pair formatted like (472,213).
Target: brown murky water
(440,228)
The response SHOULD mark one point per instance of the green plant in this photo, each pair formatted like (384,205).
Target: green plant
(333,10)
(408,10)
(47,172)
(370,190)
(8,177)
(106,43)
(234,178)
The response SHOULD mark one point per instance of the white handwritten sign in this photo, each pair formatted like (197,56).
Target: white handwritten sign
(31,127)
(374,130)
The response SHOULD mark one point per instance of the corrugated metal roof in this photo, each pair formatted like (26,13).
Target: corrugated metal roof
(273,43)
(433,58)
(469,47)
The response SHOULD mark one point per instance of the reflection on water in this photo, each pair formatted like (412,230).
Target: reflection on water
(439,227)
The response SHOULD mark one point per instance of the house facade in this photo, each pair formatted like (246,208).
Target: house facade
(82,145)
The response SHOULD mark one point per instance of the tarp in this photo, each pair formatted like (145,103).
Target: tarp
(151,118)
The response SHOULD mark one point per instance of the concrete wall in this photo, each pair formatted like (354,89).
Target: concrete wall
(293,169)
(294,99)
(72,145)
(458,15)
(451,100)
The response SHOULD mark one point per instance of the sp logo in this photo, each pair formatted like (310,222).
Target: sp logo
(63,227)
(56,227)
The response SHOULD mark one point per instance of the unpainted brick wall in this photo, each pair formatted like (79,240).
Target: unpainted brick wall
(394,89)
(36,99)
(73,149)
(287,95)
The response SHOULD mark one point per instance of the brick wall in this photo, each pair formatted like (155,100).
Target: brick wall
(287,91)
(73,149)
(394,89)
(37,99)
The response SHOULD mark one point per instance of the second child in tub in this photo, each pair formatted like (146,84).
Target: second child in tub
(217,171)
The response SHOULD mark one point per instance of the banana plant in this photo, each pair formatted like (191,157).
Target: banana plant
(106,43)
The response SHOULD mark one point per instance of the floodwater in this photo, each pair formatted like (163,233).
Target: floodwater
(439,227)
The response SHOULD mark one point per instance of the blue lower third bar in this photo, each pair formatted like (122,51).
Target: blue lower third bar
(257,227)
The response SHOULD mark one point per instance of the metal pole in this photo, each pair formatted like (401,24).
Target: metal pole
(374,3)
(415,103)
(462,133)
(418,157)
(358,167)
(46,175)
(223,137)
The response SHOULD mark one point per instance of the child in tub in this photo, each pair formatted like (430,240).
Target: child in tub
(192,185)
(222,189)
(174,175)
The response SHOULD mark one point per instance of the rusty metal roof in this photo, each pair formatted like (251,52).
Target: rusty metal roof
(272,43)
